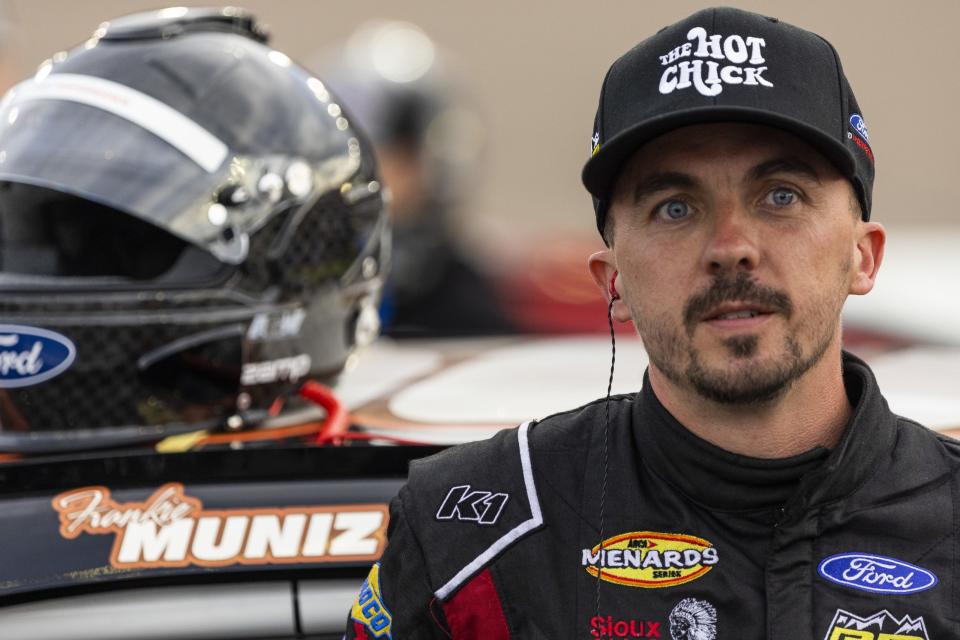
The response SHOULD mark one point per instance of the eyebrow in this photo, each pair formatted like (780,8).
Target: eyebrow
(662,181)
(783,165)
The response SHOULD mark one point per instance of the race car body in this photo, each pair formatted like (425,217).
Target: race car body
(172,545)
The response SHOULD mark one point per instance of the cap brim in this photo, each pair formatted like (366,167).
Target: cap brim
(601,171)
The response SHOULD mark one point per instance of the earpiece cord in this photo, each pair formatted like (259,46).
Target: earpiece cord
(606,438)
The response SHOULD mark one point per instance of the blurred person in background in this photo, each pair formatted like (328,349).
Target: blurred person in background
(428,140)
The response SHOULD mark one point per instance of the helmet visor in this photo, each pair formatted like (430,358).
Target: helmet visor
(47,236)
(113,145)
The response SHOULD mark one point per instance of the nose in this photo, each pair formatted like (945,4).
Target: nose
(732,243)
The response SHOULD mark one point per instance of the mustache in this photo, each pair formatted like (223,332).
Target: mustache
(742,288)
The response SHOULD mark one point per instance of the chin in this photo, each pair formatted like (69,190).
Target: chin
(735,352)
(743,372)
(741,383)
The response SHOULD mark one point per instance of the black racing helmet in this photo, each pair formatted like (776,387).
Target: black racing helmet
(190,227)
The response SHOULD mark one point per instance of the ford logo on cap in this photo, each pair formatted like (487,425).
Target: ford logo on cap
(877,574)
(29,355)
(856,121)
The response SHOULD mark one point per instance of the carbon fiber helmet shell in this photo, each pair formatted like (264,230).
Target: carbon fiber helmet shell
(190,226)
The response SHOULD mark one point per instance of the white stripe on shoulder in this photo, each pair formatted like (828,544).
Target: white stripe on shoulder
(511,536)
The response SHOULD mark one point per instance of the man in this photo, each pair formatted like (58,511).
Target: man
(757,486)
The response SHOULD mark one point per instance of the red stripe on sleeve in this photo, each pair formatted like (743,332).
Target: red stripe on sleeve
(475,612)
(359,631)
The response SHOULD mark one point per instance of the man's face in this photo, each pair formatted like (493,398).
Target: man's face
(736,245)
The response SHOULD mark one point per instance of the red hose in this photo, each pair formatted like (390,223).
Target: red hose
(335,426)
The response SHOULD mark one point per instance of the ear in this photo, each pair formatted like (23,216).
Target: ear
(603,268)
(867,257)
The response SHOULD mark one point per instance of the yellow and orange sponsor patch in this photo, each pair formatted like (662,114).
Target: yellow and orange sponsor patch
(650,560)
(369,609)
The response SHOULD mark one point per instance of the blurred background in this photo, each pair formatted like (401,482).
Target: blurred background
(527,76)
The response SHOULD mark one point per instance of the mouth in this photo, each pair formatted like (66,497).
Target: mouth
(735,304)
(737,315)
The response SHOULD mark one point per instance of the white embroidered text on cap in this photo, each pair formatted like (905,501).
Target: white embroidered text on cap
(707,75)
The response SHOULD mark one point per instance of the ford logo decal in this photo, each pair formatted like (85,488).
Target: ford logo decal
(877,574)
(856,121)
(29,355)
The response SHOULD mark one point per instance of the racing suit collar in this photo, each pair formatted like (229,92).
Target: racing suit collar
(721,480)
(869,437)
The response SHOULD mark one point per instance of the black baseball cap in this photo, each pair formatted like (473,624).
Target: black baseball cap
(728,65)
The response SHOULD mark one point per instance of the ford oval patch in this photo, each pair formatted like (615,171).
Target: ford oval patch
(877,574)
(856,121)
(29,355)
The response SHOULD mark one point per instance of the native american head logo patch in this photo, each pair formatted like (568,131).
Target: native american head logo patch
(693,619)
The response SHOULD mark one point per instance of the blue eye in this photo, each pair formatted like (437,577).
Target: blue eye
(782,197)
(673,210)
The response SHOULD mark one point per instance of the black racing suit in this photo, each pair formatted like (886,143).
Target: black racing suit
(500,539)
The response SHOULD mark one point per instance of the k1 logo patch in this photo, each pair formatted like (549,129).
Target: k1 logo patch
(879,626)
(876,574)
(482,507)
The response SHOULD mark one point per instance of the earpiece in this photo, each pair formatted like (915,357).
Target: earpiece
(614,296)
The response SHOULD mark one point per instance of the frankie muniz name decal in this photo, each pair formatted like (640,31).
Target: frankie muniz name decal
(172,529)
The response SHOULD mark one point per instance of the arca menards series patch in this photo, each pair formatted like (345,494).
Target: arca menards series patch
(172,529)
(649,559)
